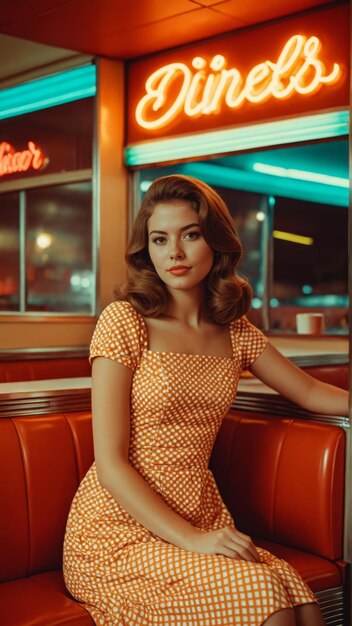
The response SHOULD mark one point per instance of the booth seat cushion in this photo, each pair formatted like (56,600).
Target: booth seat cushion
(40,600)
(318,573)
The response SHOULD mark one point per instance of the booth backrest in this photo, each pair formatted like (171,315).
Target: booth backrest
(38,369)
(337,375)
(282,479)
(42,461)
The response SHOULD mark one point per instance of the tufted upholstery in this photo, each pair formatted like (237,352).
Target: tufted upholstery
(281,478)
(283,481)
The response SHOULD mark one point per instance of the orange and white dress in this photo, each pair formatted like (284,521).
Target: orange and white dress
(122,573)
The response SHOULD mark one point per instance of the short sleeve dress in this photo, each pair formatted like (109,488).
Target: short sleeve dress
(122,573)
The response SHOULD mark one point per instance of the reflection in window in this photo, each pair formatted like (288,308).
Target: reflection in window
(9,252)
(59,249)
(310,268)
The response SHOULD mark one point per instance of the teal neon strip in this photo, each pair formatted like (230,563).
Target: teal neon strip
(44,93)
(282,132)
(266,184)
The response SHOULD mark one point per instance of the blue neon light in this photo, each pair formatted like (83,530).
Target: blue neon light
(280,132)
(49,91)
(256,182)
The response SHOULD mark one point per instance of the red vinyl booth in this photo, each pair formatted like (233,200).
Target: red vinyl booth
(12,371)
(282,478)
(24,367)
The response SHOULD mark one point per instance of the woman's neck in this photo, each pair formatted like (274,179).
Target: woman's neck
(187,306)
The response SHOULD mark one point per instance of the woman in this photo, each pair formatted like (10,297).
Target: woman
(149,540)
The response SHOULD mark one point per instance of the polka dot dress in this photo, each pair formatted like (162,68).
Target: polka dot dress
(122,573)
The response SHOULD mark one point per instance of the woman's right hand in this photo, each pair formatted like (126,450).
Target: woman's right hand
(227,541)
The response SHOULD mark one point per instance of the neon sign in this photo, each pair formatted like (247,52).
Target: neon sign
(12,162)
(203,90)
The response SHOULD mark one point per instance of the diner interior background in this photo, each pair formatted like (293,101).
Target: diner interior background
(46,235)
(302,192)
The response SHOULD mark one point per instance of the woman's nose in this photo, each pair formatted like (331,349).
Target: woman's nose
(176,252)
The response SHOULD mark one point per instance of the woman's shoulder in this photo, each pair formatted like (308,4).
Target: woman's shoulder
(120,312)
(118,334)
(240,324)
(249,340)
(242,327)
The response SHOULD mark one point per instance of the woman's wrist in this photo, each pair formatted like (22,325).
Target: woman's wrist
(190,537)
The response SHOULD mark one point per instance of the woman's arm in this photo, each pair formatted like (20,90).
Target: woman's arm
(276,371)
(111,388)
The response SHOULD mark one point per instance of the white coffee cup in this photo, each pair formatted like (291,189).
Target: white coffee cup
(310,323)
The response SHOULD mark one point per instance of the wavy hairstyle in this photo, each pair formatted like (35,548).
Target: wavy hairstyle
(227,296)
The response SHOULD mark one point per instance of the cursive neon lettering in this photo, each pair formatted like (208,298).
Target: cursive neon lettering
(156,89)
(12,162)
(175,88)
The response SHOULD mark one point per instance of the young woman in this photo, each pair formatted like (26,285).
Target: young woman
(149,540)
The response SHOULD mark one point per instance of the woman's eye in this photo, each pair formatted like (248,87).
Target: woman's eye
(158,240)
(192,235)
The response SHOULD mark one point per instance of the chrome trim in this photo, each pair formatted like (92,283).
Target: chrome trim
(96,198)
(134,197)
(45,397)
(317,360)
(44,403)
(331,602)
(273,404)
(267,260)
(60,178)
(22,253)
(348,479)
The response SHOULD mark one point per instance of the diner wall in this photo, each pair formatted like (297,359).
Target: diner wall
(110,198)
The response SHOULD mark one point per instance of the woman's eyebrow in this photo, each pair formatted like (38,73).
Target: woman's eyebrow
(162,232)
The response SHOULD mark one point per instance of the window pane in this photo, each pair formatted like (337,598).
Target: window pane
(63,134)
(246,211)
(59,249)
(311,270)
(9,252)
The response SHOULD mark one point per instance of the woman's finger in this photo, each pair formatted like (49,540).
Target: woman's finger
(245,546)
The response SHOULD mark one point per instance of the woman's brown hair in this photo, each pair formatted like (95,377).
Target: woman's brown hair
(227,296)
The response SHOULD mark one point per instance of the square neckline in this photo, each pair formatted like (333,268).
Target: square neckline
(146,347)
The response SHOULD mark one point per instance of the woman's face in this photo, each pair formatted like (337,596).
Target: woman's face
(181,256)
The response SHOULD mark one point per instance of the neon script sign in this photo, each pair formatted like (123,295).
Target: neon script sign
(202,92)
(12,162)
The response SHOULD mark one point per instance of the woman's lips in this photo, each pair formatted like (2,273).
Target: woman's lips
(179,270)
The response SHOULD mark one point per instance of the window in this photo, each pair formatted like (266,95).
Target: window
(290,208)
(57,248)
(46,233)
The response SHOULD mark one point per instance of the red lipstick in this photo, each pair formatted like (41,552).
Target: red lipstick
(179,270)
